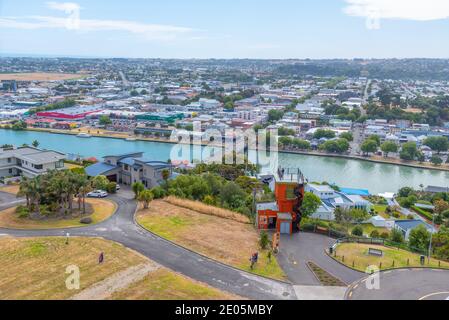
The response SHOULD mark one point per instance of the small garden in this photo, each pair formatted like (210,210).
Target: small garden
(59,199)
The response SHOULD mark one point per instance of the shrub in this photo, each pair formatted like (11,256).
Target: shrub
(22,212)
(308,227)
(264,241)
(111,187)
(357,231)
(158,193)
(384,235)
(375,234)
(86,220)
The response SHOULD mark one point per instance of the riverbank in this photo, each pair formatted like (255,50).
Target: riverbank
(100,133)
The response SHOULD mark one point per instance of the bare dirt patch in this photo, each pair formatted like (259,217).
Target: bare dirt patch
(41,76)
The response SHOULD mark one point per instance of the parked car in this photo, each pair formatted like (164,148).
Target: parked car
(97,194)
(117,187)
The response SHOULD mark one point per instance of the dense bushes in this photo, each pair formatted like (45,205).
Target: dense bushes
(423,213)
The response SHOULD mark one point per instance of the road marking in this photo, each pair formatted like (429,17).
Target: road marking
(433,294)
(350,294)
(355,287)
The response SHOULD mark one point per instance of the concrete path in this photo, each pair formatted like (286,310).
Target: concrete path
(8,200)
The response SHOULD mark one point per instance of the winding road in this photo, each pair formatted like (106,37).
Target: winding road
(122,228)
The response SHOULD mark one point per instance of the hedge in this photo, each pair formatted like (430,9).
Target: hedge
(423,213)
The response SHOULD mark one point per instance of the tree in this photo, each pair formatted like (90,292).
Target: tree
(166,174)
(137,188)
(405,192)
(145,196)
(389,147)
(322,133)
(275,115)
(375,138)
(409,151)
(134,93)
(419,238)
(369,146)
(105,120)
(35,143)
(335,146)
(441,206)
(357,231)
(348,136)
(436,161)
(310,204)
(100,182)
(439,144)
(396,236)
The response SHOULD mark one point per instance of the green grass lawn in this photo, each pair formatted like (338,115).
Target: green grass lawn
(356,256)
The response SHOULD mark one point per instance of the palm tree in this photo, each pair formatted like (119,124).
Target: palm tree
(35,143)
(137,187)
(25,191)
(145,196)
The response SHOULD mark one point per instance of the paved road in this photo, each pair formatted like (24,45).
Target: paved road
(407,284)
(8,200)
(298,249)
(122,229)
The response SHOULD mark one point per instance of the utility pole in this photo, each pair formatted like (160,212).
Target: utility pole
(431,237)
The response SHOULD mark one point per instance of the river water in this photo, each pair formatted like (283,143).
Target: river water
(347,173)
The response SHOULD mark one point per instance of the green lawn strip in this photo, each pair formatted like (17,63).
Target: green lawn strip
(356,256)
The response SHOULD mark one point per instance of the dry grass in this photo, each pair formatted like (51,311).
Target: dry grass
(13,189)
(165,285)
(35,269)
(208,210)
(356,256)
(225,240)
(102,209)
(40,76)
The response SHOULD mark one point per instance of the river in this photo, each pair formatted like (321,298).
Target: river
(375,177)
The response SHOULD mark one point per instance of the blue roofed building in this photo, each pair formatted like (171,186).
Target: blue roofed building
(129,168)
(332,199)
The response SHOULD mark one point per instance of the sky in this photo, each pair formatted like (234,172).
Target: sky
(266,29)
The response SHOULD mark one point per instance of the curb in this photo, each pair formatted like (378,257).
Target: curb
(203,256)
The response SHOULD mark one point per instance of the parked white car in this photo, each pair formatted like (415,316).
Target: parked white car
(117,187)
(97,194)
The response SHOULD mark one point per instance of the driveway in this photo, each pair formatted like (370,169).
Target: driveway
(122,229)
(8,200)
(298,249)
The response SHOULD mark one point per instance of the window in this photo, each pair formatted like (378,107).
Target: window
(38,167)
(9,160)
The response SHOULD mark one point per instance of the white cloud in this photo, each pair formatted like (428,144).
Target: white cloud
(376,10)
(64,6)
(148,31)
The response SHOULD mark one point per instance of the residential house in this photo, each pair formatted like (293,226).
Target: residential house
(28,162)
(131,168)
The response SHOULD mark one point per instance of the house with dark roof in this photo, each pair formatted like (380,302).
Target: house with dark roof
(406,226)
(130,168)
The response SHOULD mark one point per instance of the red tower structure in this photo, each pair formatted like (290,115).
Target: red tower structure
(285,214)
